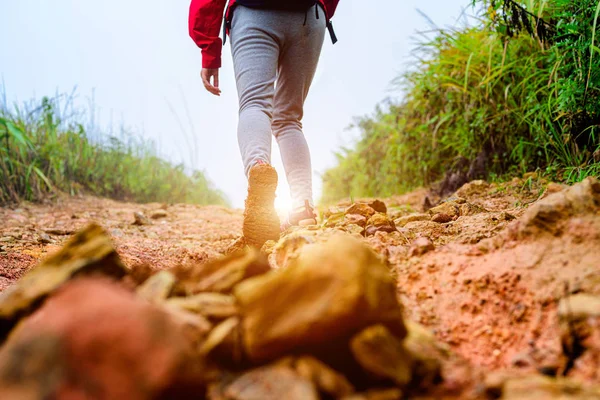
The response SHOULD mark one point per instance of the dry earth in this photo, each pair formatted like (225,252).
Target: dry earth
(506,276)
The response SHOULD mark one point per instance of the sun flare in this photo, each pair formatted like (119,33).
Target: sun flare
(283,202)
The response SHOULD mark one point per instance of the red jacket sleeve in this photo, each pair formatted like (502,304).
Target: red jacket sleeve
(205,21)
(331,6)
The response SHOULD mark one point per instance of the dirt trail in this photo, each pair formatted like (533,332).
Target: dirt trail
(179,233)
(484,271)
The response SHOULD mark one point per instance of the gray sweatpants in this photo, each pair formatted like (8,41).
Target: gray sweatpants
(275,55)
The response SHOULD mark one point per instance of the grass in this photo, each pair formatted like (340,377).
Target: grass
(491,99)
(43,152)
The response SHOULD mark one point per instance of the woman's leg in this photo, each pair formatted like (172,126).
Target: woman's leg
(255,51)
(297,65)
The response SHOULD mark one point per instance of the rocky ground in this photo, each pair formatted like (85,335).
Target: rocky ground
(492,293)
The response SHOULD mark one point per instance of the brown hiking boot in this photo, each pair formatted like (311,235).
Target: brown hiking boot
(261,222)
(302,216)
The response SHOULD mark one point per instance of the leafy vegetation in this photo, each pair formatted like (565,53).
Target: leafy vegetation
(42,154)
(519,90)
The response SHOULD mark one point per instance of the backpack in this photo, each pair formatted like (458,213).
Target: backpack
(287,5)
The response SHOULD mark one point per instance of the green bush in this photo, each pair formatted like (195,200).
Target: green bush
(518,91)
(41,154)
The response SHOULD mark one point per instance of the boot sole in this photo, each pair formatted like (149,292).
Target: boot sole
(261,222)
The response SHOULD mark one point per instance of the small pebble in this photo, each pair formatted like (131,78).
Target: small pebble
(159,214)
(116,232)
(59,231)
(45,238)
(441,218)
(140,219)
(421,246)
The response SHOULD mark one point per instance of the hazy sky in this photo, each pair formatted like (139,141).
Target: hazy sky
(137,58)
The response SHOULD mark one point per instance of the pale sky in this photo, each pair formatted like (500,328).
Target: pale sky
(138,60)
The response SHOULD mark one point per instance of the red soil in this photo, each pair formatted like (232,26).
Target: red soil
(486,291)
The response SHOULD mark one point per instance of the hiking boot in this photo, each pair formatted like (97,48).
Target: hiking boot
(302,216)
(261,222)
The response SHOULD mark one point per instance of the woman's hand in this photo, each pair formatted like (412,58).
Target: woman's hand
(207,74)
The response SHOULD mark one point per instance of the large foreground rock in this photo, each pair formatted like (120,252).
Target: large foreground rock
(377,394)
(540,387)
(88,252)
(95,340)
(157,288)
(325,295)
(383,355)
(271,383)
(428,355)
(220,275)
(324,378)
(210,305)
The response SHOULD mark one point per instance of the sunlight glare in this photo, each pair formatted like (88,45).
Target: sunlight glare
(283,201)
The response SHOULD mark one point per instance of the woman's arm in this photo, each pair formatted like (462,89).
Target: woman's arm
(205,21)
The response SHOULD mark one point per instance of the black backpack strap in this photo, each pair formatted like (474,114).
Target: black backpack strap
(334,38)
(226,23)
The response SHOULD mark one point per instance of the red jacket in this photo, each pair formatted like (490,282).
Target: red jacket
(205,21)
